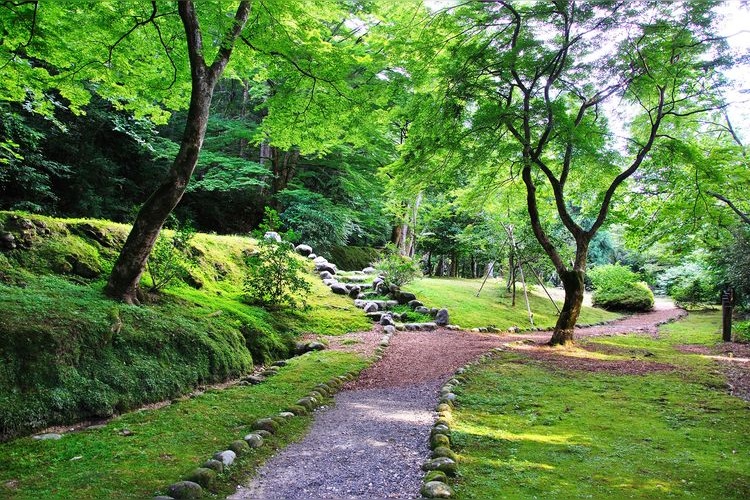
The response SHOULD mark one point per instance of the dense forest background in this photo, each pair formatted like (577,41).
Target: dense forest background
(681,221)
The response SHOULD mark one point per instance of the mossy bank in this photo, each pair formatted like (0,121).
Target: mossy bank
(69,353)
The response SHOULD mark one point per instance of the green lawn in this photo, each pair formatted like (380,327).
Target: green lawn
(528,429)
(167,443)
(493,306)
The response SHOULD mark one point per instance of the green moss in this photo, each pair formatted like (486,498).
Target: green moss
(168,443)
(525,429)
(350,258)
(68,352)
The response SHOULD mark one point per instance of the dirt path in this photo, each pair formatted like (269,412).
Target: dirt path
(372,442)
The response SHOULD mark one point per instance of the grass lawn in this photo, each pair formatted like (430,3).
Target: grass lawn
(167,443)
(528,427)
(493,306)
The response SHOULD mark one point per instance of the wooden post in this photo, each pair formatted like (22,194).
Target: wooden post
(727,303)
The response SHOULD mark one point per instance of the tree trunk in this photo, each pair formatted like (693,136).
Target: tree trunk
(566,322)
(126,274)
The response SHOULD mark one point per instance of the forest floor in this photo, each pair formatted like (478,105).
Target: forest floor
(372,442)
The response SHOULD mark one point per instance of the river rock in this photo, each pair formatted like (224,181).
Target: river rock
(339,289)
(254,440)
(185,490)
(415,303)
(266,424)
(443,464)
(272,235)
(369,270)
(226,457)
(436,489)
(303,250)
(202,476)
(442,318)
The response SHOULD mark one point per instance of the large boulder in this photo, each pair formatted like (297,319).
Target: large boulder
(326,275)
(442,318)
(371,307)
(354,291)
(303,250)
(339,289)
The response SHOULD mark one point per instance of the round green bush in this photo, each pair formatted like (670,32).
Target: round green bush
(629,297)
(616,287)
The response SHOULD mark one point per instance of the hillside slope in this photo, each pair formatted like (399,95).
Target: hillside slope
(69,353)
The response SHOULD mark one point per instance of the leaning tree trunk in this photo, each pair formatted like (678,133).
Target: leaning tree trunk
(566,322)
(127,272)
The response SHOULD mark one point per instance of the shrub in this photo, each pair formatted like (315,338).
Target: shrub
(275,276)
(742,332)
(170,257)
(689,283)
(617,287)
(397,269)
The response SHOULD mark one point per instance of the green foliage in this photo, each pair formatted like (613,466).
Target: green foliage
(316,220)
(742,332)
(617,287)
(351,258)
(275,276)
(171,257)
(690,283)
(397,269)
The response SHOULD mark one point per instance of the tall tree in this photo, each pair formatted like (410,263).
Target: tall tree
(126,275)
(153,58)
(533,86)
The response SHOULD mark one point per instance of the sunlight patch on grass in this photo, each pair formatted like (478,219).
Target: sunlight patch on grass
(493,306)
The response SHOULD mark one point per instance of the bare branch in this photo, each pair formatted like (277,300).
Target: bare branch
(745,217)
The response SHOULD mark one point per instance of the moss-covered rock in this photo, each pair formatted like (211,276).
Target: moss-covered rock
(436,489)
(214,465)
(435,475)
(438,440)
(240,447)
(444,451)
(185,490)
(254,440)
(266,424)
(442,464)
(203,476)
(298,410)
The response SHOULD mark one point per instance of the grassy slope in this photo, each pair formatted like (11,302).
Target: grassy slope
(167,443)
(551,433)
(493,307)
(67,352)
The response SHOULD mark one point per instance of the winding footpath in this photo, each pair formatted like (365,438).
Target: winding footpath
(372,442)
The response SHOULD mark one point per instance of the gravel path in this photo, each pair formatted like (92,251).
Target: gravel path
(371,445)
(372,442)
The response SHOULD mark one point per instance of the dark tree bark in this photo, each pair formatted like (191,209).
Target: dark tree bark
(126,274)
